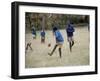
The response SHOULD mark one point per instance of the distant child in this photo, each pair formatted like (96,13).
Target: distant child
(28,46)
(59,41)
(33,32)
(42,36)
(70,29)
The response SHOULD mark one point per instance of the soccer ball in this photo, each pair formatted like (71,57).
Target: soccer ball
(49,45)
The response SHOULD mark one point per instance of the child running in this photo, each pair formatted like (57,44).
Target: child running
(59,41)
(28,46)
(70,29)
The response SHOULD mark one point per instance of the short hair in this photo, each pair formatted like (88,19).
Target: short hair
(55,29)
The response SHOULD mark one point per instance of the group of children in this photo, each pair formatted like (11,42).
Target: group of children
(42,34)
(59,37)
(34,35)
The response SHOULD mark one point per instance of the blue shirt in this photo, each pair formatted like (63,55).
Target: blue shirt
(58,36)
(43,34)
(70,29)
(33,32)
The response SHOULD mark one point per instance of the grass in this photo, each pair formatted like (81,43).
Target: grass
(38,57)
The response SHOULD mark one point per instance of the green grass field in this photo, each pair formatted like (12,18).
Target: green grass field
(38,57)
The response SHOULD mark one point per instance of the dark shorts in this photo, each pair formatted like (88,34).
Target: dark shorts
(69,34)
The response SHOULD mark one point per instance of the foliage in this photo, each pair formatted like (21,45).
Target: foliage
(46,20)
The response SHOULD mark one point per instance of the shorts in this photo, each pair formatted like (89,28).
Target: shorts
(60,44)
(33,36)
(42,39)
(70,39)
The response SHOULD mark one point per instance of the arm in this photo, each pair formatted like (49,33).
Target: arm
(56,34)
(73,29)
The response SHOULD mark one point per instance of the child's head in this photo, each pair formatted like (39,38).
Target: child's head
(69,22)
(42,30)
(55,29)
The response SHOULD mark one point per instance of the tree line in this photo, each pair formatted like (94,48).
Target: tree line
(46,20)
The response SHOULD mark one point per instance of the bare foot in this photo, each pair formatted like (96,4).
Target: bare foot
(49,54)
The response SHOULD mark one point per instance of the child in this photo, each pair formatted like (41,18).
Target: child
(33,33)
(59,41)
(28,45)
(70,29)
(42,36)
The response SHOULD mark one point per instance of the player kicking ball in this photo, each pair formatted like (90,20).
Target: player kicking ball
(59,41)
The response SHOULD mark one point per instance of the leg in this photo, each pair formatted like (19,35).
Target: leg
(35,37)
(60,52)
(30,46)
(53,50)
(70,46)
(72,43)
(72,40)
(43,40)
(27,46)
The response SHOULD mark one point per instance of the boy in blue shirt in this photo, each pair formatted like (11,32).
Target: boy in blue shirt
(70,29)
(42,36)
(59,41)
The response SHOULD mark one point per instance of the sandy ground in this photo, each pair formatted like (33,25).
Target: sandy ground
(38,57)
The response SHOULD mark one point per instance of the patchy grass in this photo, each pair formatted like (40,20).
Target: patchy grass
(38,57)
